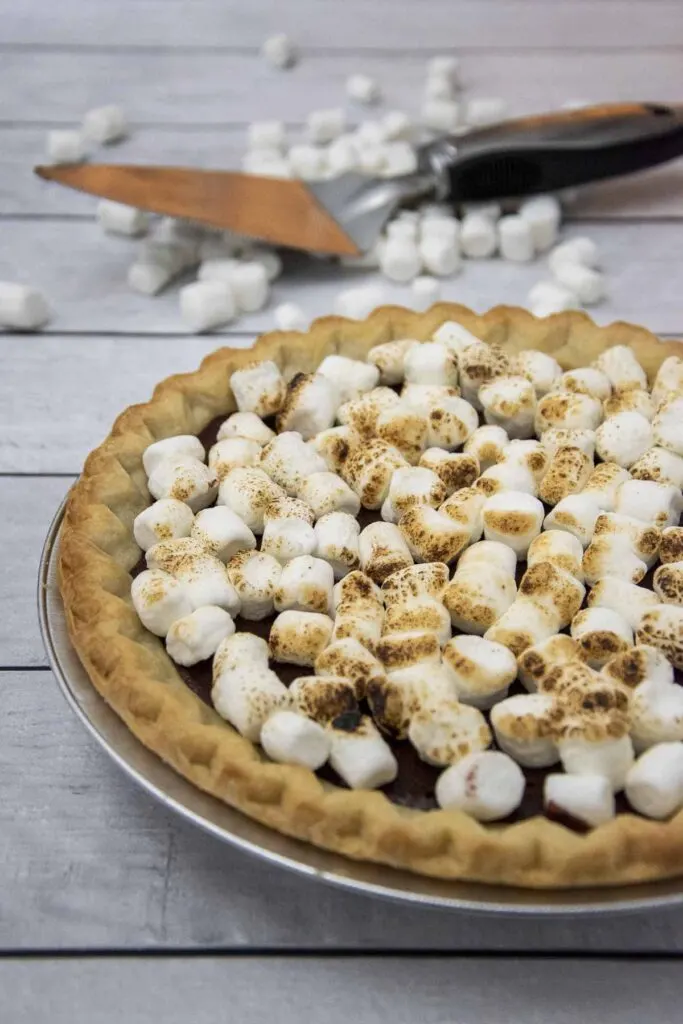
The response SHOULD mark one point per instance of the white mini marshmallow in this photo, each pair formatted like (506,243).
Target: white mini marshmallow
(291,738)
(487,785)
(489,553)
(506,476)
(642,538)
(612,556)
(654,784)
(186,479)
(118,219)
(543,214)
(611,758)
(660,465)
(288,538)
(359,754)
(666,425)
(656,713)
(383,550)
(22,308)
(169,448)
(421,614)
(310,405)
(206,304)
(430,363)
(560,548)
(656,503)
(522,728)
(541,369)
(197,636)
(65,146)
(601,633)
(668,583)
(310,164)
(624,438)
(549,297)
(362,89)
(248,491)
(336,535)
(583,251)
(255,576)
(662,627)
(603,485)
(247,696)
(298,637)
(628,600)
(513,518)
(166,519)
(455,337)
(465,507)
(669,379)
(478,237)
(485,110)
(388,358)
(351,377)
(622,368)
(358,303)
(438,87)
(369,468)
(105,124)
(399,260)
(399,158)
(425,292)
(205,577)
(305,585)
(584,798)
(413,485)
(586,380)
(246,425)
(442,115)
(325,125)
(533,455)
(588,285)
(288,460)
(232,452)
(577,514)
(396,125)
(516,239)
(440,256)
(631,400)
(481,670)
(267,135)
(279,51)
(258,388)
(159,600)
(569,410)
(148,278)
(510,403)
(222,531)
(249,286)
(239,649)
(444,731)
(445,66)
(488,445)
(290,317)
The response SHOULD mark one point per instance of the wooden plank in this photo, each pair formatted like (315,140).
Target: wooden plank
(357,24)
(216,89)
(83,275)
(653,194)
(91,861)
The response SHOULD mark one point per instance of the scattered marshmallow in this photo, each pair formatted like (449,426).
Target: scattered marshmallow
(654,784)
(558,547)
(186,479)
(516,239)
(358,303)
(668,583)
(627,599)
(596,754)
(349,660)
(624,438)
(481,670)
(588,285)
(197,636)
(389,359)
(433,535)
(430,363)
(568,472)
(222,532)
(444,731)
(443,115)
(105,124)
(543,214)
(637,665)
(478,238)
(662,627)
(487,110)
(22,308)
(383,550)
(279,51)
(400,261)
(290,317)
(549,297)
(426,291)
(666,426)
(568,410)
(325,125)
(171,448)
(248,491)
(359,754)
(522,728)
(369,469)
(632,400)
(577,514)
(305,585)
(291,738)
(487,785)
(524,624)
(465,508)
(656,713)
(308,162)
(405,428)
(603,485)
(298,637)
(288,460)
(582,250)
(656,503)
(601,633)
(513,518)
(439,256)
(117,219)
(422,614)
(206,304)
(587,799)
(255,576)
(159,600)
(351,377)
(267,135)
(65,146)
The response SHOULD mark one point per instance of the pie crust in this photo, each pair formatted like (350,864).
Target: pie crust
(132,671)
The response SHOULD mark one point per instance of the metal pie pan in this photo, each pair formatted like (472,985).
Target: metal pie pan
(176,793)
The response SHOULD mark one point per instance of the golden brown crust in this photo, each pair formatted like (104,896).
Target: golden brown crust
(132,671)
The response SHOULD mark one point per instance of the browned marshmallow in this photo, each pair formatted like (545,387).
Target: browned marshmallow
(322,697)
(298,637)
(429,579)
(477,597)
(560,548)
(369,469)
(568,472)
(537,662)
(671,545)
(348,658)
(455,469)
(432,535)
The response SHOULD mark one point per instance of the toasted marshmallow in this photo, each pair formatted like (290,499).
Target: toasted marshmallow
(444,731)
(487,445)
(532,455)
(369,469)
(246,696)
(576,514)
(422,614)
(310,405)
(637,665)
(654,784)
(359,754)
(510,403)
(255,576)
(655,503)
(305,585)
(568,410)
(159,600)
(351,377)
(465,508)
(389,359)
(166,519)
(258,388)
(507,476)
(357,592)
(247,425)
(197,636)
(608,756)
(222,531)
(348,659)
(666,426)
(482,670)
(601,633)
(237,650)
(170,448)
(644,539)
(336,540)
(205,577)
(323,698)
(430,363)
(291,738)
(284,507)
(405,428)
(662,627)
(524,624)
(553,589)
(568,472)
(478,365)
(659,465)
(671,545)
(513,518)
(586,380)
(361,414)
(455,337)
(477,598)
(522,727)
(451,421)
(186,479)
(603,485)
(404,650)
(429,579)
(487,785)
(624,438)
(411,486)
(612,556)
(538,367)
(383,551)
(587,799)
(288,461)
(561,437)
(622,368)
(231,453)
(333,446)
(656,714)
(668,583)
(286,539)
(432,535)
(536,662)
(398,696)
(248,491)
(623,597)
(455,469)
(669,379)
(486,554)
(326,492)
(298,637)
(633,400)
(560,548)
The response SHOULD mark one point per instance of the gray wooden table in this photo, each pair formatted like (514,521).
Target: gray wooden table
(88,864)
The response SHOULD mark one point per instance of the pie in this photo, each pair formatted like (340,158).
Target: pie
(410,630)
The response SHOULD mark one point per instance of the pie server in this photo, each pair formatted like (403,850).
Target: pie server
(520,157)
